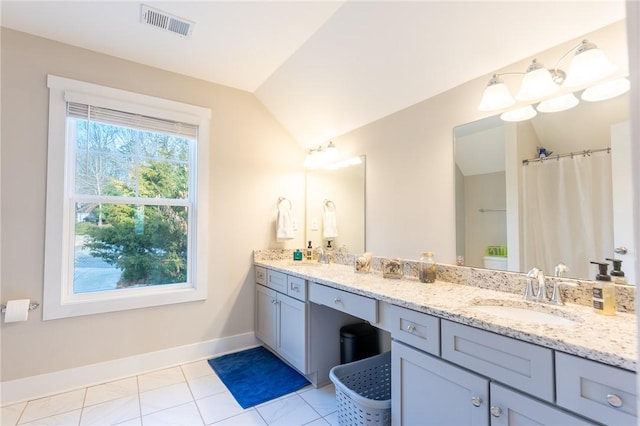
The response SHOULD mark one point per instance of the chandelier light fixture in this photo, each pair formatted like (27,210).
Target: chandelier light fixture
(589,67)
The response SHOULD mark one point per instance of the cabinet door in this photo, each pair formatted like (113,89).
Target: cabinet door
(429,391)
(266,315)
(292,336)
(512,408)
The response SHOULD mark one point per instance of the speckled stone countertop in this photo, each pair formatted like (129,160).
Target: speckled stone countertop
(608,339)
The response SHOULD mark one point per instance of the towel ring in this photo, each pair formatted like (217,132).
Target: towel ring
(327,204)
(281,199)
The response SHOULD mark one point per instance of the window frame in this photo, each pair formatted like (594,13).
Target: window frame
(59,300)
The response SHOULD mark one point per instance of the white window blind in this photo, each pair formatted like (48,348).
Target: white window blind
(127,119)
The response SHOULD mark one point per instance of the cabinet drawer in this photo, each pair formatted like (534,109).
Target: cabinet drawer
(416,329)
(297,287)
(277,281)
(522,365)
(353,304)
(604,393)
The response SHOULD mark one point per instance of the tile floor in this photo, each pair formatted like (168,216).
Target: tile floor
(189,395)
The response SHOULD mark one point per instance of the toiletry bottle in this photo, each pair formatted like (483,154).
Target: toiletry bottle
(617,274)
(309,252)
(604,293)
(297,255)
(427,268)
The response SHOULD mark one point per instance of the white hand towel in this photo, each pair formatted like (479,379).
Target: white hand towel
(329,225)
(284,224)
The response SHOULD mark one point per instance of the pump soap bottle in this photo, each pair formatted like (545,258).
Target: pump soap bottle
(617,274)
(309,252)
(604,293)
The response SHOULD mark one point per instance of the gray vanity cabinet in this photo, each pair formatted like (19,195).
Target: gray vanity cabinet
(281,320)
(510,408)
(429,391)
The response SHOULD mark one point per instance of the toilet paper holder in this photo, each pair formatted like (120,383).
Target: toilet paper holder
(32,306)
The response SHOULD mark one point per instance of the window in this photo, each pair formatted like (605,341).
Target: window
(126,200)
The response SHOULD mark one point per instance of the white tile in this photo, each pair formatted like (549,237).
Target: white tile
(332,419)
(218,407)
(197,369)
(133,422)
(53,405)
(164,397)
(160,378)
(111,412)
(319,422)
(111,390)
(206,386)
(64,419)
(248,418)
(323,399)
(289,411)
(182,415)
(10,414)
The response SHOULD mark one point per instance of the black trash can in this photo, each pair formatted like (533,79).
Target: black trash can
(358,341)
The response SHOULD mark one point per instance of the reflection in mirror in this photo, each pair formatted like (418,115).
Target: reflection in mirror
(513,214)
(335,209)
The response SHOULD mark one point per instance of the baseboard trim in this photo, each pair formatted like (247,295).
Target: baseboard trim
(19,390)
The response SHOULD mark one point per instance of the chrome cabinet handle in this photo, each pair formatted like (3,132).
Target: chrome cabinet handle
(496,411)
(411,328)
(620,250)
(336,300)
(614,401)
(274,301)
(295,287)
(476,401)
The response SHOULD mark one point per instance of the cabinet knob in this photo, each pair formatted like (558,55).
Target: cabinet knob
(273,301)
(614,401)
(411,328)
(476,401)
(294,287)
(336,300)
(496,411)
(620,250)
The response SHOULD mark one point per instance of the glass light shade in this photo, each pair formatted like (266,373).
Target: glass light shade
(607,90)
(537,83)
(331,153)
(559,103)
(496,96)
(520,114)
(588,65)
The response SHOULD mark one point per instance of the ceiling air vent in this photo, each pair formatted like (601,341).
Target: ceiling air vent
(166,21)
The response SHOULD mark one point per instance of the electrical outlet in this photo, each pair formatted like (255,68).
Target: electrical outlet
(294,224)
(314,223)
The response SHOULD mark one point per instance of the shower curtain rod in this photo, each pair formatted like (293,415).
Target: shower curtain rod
(585,153)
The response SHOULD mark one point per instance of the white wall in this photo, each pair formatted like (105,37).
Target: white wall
(253,162)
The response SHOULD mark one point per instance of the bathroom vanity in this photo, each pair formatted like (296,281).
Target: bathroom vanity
(454,362)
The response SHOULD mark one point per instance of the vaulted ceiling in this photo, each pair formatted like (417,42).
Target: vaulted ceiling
(322,68)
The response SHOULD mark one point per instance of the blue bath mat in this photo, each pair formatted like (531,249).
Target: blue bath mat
(256,375)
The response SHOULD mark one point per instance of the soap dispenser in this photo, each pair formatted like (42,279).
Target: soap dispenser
(617,274)
(604,293)
(309,252)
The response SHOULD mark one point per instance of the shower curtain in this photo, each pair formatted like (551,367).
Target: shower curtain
(567,207)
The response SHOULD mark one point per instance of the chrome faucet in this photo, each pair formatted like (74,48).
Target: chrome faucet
(558,272)
(323,257)
(541,293)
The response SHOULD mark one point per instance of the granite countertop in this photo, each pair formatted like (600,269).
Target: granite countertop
(608,339)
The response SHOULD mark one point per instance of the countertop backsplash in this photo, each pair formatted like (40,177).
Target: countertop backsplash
(509,282)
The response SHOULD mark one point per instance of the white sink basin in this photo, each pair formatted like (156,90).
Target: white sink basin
(524,314)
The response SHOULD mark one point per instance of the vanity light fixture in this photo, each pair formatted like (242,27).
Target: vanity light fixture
(589,65)
(319,156)
(519,114)
(607,90)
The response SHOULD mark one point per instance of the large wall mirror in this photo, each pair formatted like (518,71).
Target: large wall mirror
(335,206)
(513,214)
